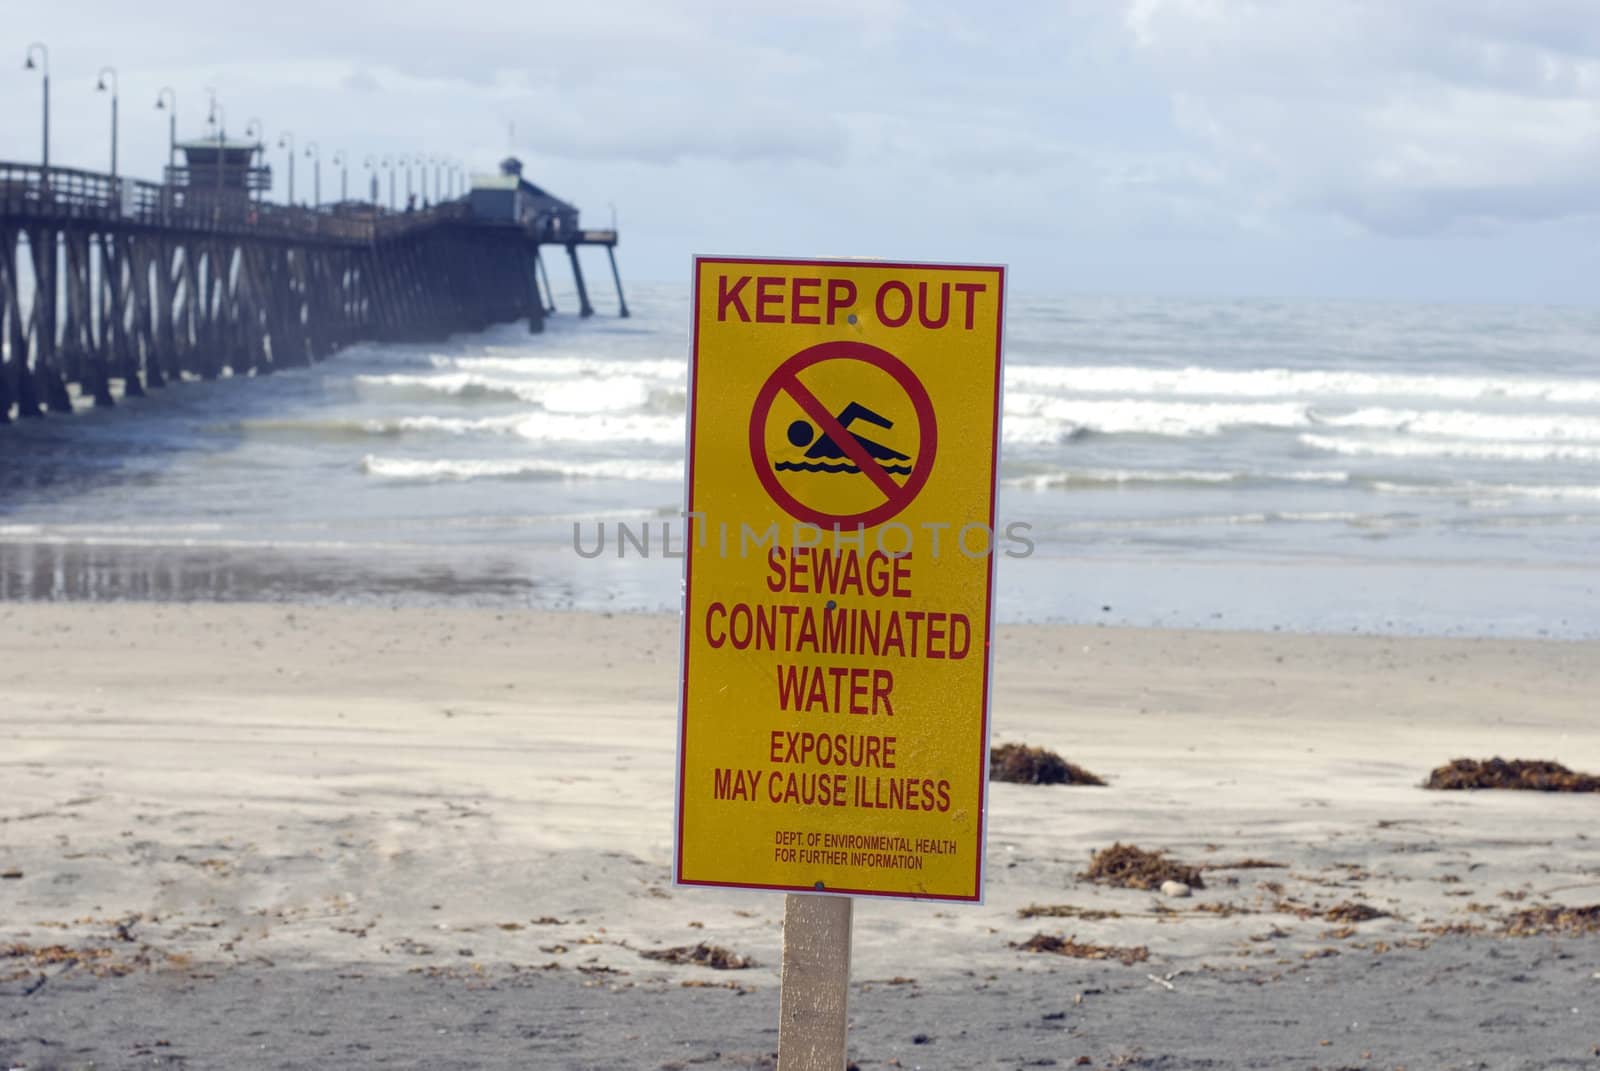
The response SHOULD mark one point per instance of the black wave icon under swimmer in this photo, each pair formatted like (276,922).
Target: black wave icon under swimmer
(801,433)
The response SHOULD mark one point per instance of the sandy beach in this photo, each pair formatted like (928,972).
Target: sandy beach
(266,836)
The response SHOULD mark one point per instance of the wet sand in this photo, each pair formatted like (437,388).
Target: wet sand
(1462,1004)
(257,833)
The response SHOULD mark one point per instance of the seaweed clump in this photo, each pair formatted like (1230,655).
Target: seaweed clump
(1130,867)
(1023,765)
(702,955)
(1555,919)
(1351,911)
(1065,911)
(1532,775)
(1070,946)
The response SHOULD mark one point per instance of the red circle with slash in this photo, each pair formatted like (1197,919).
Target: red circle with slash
(785,380)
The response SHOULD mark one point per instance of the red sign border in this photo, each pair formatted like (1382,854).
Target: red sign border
(697,263)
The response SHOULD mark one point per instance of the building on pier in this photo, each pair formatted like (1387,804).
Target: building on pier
(221,169)
(508,197)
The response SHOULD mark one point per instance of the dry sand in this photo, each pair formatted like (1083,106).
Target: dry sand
(289,837)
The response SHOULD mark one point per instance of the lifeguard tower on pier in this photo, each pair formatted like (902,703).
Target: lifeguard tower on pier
(220,171)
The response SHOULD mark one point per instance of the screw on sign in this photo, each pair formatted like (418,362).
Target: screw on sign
(830,456)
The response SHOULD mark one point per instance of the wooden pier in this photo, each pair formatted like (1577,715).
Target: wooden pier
(114,286)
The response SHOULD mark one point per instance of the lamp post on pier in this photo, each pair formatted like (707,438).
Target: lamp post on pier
(255,129)
(286,141)
(405,165)
(388,165)
(100,87)
(167,99)
(314,154)
(220,117)
(43,66)
(344,175)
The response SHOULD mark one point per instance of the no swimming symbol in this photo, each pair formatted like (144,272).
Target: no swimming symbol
(843,438)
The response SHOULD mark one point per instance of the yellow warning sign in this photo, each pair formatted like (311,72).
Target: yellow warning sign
(838,578)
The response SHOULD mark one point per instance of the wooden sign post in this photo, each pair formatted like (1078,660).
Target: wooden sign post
(838,595)
(816,982)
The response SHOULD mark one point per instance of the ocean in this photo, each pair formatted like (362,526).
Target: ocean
(1294,465)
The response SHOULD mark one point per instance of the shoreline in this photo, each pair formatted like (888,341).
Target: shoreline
(1333,597)
(257,793)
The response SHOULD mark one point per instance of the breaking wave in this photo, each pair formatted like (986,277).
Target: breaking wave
(1100,478)
(1047,419)
(1464,424)
(438,471)
(1475,490)
(566,367)
(598,395)
(1400,447)
(1297,383)
(537,426)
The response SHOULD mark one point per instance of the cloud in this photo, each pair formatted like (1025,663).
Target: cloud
(669,132)
(361,81)
(1158,135)
(1404,119)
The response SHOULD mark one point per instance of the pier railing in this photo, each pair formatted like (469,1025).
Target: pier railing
(60,193)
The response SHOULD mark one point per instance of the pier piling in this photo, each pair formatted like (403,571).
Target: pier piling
(616,277)
(584,308)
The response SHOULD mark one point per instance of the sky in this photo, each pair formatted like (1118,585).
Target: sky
(1409,150)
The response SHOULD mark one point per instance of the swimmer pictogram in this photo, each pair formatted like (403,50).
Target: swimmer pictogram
(801,433)
(849,440)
